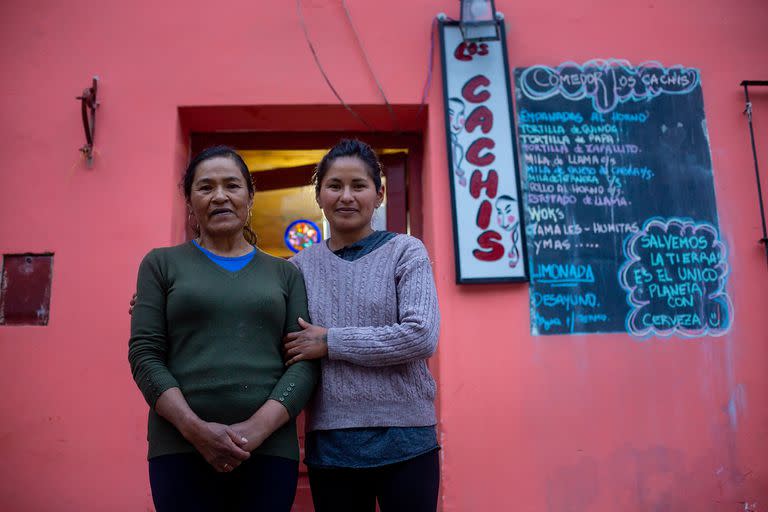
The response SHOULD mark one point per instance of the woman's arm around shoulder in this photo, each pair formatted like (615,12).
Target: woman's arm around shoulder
(148,344)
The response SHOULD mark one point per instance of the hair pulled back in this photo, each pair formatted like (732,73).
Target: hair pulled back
(349,147)
(220,152)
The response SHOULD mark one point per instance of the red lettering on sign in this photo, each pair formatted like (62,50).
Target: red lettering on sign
(461,52)
(490,184)
(465,51)
(481,117)
(484,214)
(473,153)
(469,91)
(489,240)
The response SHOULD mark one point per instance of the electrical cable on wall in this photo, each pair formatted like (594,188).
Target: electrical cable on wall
(430,65)
(322,71)
(431,61)
(370,68)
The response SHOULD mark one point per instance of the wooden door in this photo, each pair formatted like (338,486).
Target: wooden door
(397,195)
(303,501)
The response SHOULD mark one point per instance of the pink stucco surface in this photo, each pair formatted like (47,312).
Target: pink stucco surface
(567,423)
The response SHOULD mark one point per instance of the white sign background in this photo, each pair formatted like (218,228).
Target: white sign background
(460,65)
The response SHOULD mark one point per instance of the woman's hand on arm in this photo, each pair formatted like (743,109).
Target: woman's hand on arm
(270,416)
(220,445)
(309,343)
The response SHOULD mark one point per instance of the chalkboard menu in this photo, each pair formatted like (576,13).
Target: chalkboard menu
(621,219)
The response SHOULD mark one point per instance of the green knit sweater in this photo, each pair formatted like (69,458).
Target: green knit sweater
(217,335)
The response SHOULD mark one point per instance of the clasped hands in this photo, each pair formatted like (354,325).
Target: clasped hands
(222,446)
(225,447)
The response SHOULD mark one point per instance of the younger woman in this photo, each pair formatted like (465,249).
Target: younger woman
(375,320)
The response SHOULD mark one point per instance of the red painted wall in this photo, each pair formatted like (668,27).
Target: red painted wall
(572,423)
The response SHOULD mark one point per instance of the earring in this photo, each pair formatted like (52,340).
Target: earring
(194,226)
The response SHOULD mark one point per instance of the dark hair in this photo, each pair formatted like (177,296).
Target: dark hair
(220,152)
(349,147)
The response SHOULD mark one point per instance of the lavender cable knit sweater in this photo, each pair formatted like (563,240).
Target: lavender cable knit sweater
(383,321)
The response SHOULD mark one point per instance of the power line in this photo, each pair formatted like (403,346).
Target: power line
(430,64)
(322,71)
(370,68)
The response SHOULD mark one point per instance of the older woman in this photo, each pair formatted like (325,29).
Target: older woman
(374,307)
(205,351)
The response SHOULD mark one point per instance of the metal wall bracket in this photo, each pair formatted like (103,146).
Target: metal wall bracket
(748,112)
(88,109)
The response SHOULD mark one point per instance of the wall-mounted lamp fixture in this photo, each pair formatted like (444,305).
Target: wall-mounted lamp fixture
(88,109)
(478,21)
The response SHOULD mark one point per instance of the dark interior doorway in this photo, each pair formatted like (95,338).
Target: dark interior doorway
(282,165)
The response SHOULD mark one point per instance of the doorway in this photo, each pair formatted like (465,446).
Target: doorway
(285,214)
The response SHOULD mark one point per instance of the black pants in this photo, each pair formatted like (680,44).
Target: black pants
(186,483)
(408,486)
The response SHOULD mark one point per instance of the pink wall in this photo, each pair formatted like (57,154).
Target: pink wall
(572,423)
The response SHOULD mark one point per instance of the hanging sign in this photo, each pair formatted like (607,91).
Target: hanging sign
(489,240)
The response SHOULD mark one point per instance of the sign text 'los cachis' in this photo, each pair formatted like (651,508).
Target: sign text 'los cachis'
(487,212)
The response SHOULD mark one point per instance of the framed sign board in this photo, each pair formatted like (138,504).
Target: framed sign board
(489,239)
(622,220)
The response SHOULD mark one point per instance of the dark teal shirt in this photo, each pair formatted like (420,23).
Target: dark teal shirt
(217,336)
